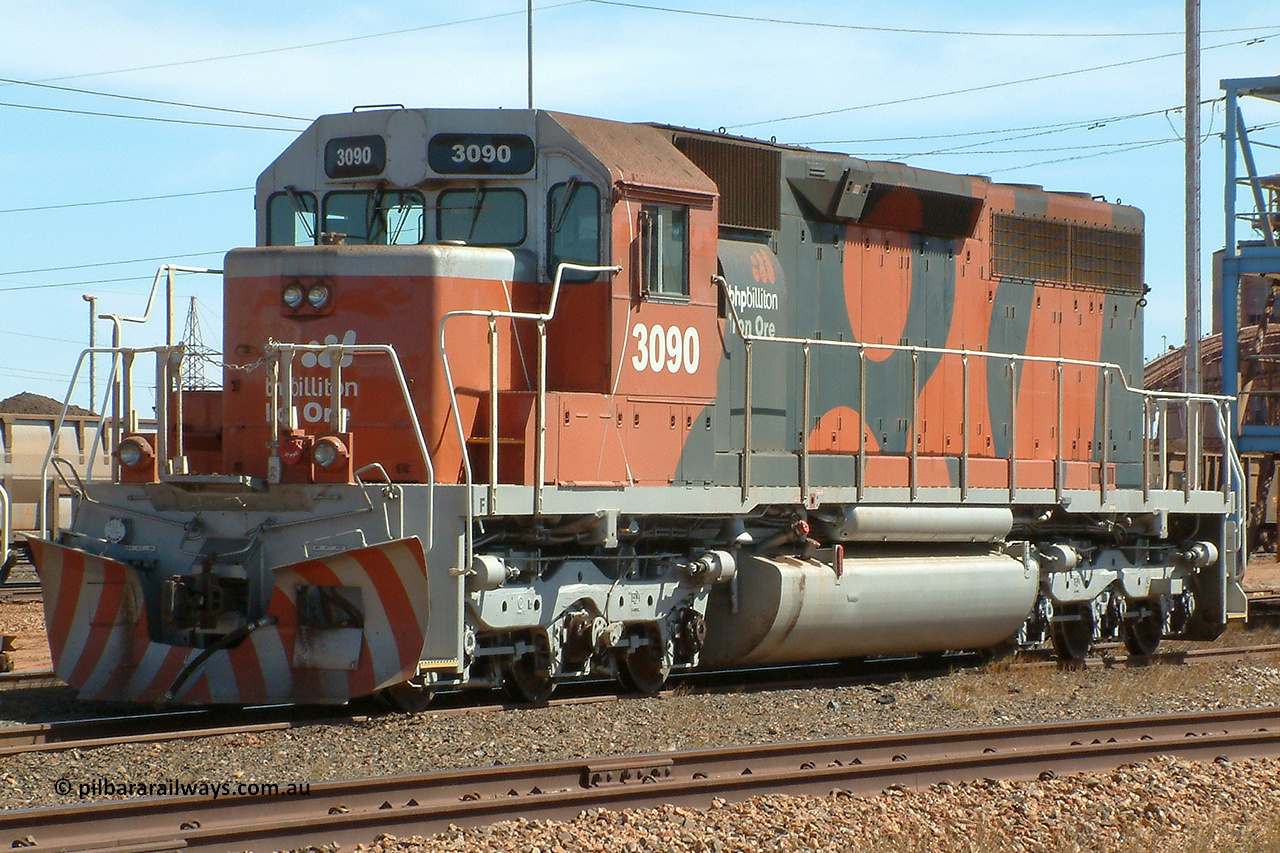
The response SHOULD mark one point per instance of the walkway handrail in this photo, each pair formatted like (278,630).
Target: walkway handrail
(121,354)
(492,314)
(166,272)
(281,355)
(1109,370)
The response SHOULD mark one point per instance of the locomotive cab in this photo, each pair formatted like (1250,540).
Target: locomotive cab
(364,247)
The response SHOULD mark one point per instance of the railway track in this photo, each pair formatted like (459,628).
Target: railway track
(156,728)
(17,592)
(1264,604)
(26,679)
(1106,658)
(355,811)
(162,726)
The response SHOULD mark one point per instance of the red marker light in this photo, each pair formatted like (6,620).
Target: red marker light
(291,452)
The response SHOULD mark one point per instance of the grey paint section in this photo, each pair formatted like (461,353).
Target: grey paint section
(1122,345)
(1010,325)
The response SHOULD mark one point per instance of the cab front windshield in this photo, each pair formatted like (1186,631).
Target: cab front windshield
(477,216)
(376,218)
(482,217)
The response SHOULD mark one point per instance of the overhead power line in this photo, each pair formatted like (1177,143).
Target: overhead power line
(988,86)
(96,283)
(1086,124)
(37,337)
(1131,148)
(967,152)
(123,200)
(40,375)
(147,118)
(142,100)
(265,51)
(159,260)
(47,83)
(906,30)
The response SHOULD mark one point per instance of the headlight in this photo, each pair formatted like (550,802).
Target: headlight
(318,295)
(293,295)
(327,451)
(133,451)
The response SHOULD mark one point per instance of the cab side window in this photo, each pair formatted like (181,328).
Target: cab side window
(664,250)
(291,219)
(573,223)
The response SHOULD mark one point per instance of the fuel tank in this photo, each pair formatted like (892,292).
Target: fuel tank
(791,610)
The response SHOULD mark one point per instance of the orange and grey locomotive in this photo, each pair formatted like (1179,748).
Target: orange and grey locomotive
(519,397)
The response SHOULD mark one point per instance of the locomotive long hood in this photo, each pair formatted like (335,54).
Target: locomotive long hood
(100,643)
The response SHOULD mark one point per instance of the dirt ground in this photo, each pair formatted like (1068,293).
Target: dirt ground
(1263,573)
(25,622)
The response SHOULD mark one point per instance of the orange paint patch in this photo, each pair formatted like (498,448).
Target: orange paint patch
(877,287)
(887,471)
(839,431)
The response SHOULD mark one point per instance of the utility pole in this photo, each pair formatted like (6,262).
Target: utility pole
(93,342)
(1191,369)
(529,51)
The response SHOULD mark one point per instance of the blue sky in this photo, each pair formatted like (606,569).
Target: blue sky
(95,194)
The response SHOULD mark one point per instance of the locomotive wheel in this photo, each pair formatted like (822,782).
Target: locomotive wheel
(1199,625)
(526,680)
(1072,638)
(643,669)
(410,697)
(1142,636)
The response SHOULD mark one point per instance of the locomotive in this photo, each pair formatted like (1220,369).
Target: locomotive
(517,397)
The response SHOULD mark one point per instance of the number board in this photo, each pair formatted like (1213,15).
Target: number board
(355,157)
(480,154)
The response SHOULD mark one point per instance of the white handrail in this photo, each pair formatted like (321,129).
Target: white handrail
(336,353)
(1218,401)
(117,320)
(541,320)
(42,519)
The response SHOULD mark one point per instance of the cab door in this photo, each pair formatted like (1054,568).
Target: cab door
(665,315)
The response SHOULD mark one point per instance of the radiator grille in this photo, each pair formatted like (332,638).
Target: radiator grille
(749,178)
(1042,250)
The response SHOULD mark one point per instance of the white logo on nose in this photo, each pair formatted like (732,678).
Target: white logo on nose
(311,359)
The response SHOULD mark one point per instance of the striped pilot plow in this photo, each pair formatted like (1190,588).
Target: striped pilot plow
(99,639)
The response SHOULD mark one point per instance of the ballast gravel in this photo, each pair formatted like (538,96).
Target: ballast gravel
(1172,805)
(1163,804)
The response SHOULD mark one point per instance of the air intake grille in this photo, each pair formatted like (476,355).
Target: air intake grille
(749,178)
(1041,250)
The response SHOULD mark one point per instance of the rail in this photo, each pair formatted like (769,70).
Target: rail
(541,319)
(1155,432)
(351,812)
